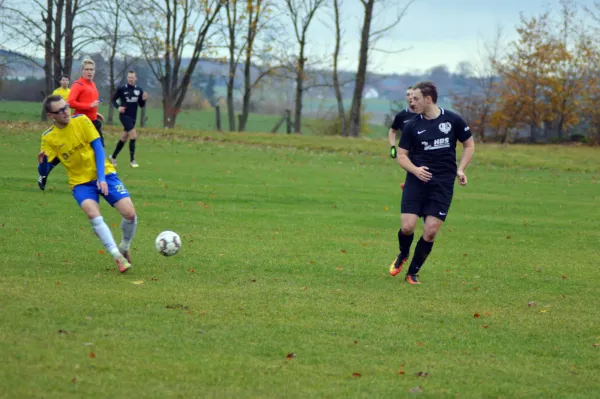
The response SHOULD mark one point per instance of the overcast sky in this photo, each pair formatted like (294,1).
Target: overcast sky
(434,31)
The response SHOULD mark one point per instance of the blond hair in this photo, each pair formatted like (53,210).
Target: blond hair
(87,61)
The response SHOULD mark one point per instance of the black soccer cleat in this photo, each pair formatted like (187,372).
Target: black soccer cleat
(42,182)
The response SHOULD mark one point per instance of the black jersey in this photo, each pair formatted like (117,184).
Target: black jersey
(402,119)
(432,142)
(129,97)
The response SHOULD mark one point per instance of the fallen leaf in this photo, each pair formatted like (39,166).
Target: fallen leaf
(338,268)
(343,251)
(564,277)
(356,375)
(485,326)
(543,310)
(386,208)
(401,372)
(177,306)
(88,317)
(39,254)
(101,251)
(74,379)
(58,283)
(531,304)
(253,280)
(290,355)
(476,315)
(596,345)
(508,237)
(355,342)
(415,390)
(138,282)
(423,374)
(92,355)
(64,332)
(420,344)
(465,254)
(154,279)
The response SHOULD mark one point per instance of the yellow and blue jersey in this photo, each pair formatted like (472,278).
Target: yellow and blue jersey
(71,145)
(61,91)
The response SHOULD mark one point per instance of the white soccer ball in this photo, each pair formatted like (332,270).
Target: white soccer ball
(168,243)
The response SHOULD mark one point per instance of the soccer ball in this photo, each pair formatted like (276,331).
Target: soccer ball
(168,243)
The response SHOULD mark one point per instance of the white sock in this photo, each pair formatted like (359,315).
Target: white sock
(128,227)
(105,236)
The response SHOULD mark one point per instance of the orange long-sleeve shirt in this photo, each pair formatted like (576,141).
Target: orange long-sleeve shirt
(83,94)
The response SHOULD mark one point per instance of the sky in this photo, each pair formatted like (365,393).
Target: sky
(433,32)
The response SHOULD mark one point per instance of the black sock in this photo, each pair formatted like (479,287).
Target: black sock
(422,251)
(132,149)
(404,243)
(118,149)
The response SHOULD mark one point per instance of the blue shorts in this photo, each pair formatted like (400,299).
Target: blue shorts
(89,190)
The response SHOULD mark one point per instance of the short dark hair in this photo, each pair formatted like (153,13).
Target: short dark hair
(49,100)
(428,89)
(66,76)
(133,72)
(410,88)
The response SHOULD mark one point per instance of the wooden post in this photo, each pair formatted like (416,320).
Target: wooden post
(143,120)
(218,116)
(289,121)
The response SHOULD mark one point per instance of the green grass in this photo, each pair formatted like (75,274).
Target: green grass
(286,244)
(17,111)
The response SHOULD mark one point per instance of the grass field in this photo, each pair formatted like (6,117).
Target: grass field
(15,111)
(281,288)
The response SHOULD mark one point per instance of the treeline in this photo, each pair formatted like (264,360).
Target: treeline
(543,87)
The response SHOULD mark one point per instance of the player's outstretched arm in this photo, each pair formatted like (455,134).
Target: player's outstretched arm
(142,99)
(467,155)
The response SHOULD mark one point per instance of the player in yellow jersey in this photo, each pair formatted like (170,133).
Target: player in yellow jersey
(75,142)
(63,90)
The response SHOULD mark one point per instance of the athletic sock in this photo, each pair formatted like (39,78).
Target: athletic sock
(132,149)
(422,251)
(118,149)
(128,227)
(105,236)
(404,242)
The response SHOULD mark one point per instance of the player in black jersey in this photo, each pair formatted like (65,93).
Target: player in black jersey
(129,97)
(430,141)
(400,120)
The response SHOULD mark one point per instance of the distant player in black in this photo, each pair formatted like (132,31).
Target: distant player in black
(400,120)
(129,97)
(430,141)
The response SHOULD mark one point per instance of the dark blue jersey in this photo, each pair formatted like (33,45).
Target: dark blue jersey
(432,142)
(402,119)
(129,97)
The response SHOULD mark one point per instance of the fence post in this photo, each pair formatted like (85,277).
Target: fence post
(218,116)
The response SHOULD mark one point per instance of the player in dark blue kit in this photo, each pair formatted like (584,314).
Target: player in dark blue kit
(400,120)
(129,97)
(430,141)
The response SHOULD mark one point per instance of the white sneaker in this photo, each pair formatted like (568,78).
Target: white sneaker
(112,160)
(134,164)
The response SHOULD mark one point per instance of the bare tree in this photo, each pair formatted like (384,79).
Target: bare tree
(301,13)
(336,81)
(57,27)
(170,28)
(115,31)
(234,12)
(368,40)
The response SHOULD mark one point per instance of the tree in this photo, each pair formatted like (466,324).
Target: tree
(234,12)
(58,29)
(301,13)
(170,28)
(526,75)
(115,31)
(368,39)
(335,74)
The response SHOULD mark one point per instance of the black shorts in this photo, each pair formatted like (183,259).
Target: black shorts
(431,198)
(127,121)
(98,126)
